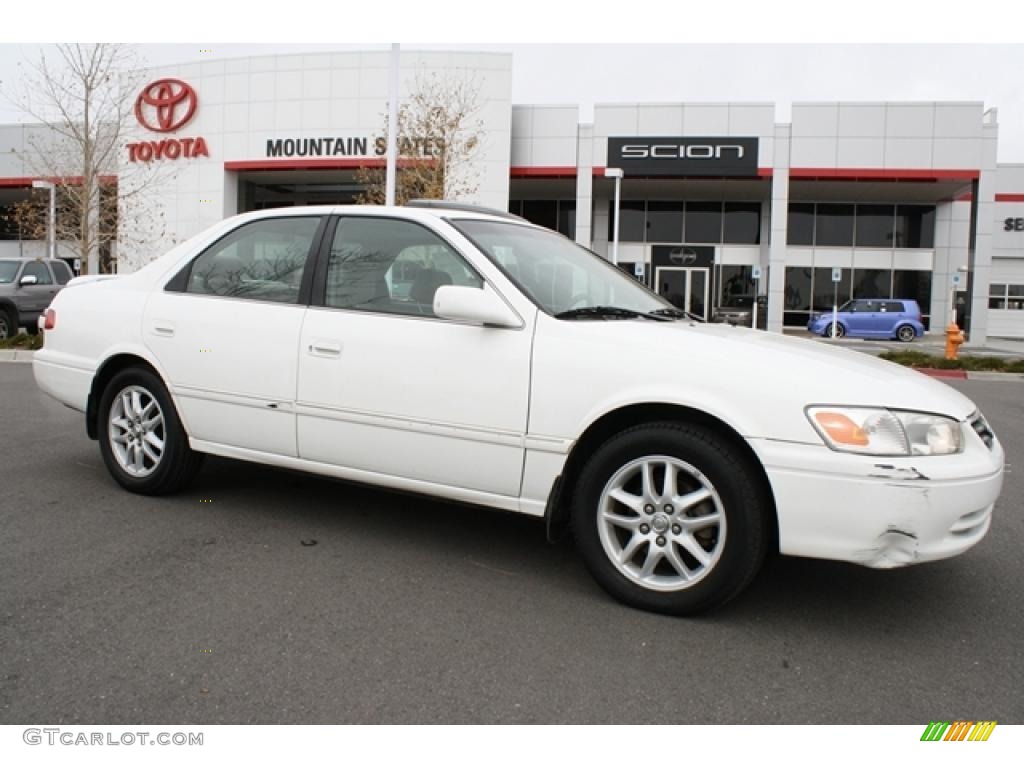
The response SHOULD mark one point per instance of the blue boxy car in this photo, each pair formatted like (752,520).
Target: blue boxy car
(872,319)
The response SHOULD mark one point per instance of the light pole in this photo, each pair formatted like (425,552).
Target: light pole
(392,151)
(51,218)
(615,173)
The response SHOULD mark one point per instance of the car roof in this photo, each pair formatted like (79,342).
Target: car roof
(421,212)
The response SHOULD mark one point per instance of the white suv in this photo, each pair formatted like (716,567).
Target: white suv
(482,359)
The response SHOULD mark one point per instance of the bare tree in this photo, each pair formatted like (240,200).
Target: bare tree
(84,99)
(439,134)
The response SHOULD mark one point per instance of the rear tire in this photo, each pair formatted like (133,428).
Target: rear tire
(670,517)
(141,437)
(906,333)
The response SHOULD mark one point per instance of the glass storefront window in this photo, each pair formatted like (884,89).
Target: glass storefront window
(825,292)
(544,213)
(734,281)
(797,296)
(800,228)
(633,226)
(567,218)
(915,226)
(914,284)
(833,224)
(875,226)
(664,222)
(703,223)
(872,283)
(742,223)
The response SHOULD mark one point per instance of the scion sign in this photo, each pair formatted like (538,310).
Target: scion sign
(683,155)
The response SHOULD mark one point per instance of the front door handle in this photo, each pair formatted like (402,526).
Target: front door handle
(325,349)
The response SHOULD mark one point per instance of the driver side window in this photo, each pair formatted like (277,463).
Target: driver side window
(391,266)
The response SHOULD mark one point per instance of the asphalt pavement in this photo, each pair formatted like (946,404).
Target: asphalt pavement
(265,596)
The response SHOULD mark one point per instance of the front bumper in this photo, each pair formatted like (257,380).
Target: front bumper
(882,512)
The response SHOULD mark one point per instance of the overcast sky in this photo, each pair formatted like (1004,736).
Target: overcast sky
(587,73)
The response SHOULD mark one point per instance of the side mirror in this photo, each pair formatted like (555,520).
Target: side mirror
(474,305)
(28,280)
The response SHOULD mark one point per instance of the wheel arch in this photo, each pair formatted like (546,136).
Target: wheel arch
(112,366)
(623,417)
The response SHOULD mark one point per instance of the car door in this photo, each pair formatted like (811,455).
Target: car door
(33,299)
(386,387)
(890,316)
(857,317)
(226,332)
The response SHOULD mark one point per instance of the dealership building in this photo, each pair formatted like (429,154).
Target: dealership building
(717,200)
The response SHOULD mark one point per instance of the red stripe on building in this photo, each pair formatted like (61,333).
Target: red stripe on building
(1009,197)
(315,163)
(546,171)
(883,174)
(26,181)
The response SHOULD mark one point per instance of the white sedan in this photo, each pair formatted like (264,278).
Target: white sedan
(482,359)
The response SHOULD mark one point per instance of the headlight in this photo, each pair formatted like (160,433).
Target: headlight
(882,432)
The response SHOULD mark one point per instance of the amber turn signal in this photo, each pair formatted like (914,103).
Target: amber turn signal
(840,428)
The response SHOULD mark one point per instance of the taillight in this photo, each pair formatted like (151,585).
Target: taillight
(50,320)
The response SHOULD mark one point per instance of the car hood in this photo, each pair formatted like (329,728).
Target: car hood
(759,382)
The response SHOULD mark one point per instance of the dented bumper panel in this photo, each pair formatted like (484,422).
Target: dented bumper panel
(881,513)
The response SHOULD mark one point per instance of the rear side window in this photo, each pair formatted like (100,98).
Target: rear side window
(262,260)
(61,271)
(893,306)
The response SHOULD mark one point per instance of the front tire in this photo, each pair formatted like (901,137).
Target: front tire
(840,331)
(141,438)
(671,518)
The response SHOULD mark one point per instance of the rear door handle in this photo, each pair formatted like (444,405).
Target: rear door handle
(163,328)
(325,349)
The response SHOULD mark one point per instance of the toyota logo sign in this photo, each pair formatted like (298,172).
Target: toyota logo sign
(166,105)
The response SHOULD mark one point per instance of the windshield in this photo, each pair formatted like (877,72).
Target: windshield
(8,269)
(556,273)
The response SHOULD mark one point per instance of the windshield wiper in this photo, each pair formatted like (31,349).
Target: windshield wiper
(602,311)
(673,312)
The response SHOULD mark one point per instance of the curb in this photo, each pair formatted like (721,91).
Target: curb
(16,355)
(946,373)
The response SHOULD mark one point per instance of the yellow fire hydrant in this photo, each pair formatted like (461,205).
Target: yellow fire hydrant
(954,338)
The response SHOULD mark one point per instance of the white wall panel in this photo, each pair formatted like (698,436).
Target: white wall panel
(956,153)
(872,258)
(860,153)
(752,120)
(908,153)
(958,120)
(554,152)
(912,259)
(316,84)
(660,119)
(813,152)
(522,122)
(861,120)
(909,120)
(288,85)
(705,120)
(815,120)
(615,121)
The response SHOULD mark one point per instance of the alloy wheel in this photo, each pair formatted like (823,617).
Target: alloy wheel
(137,431)
(661,523)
